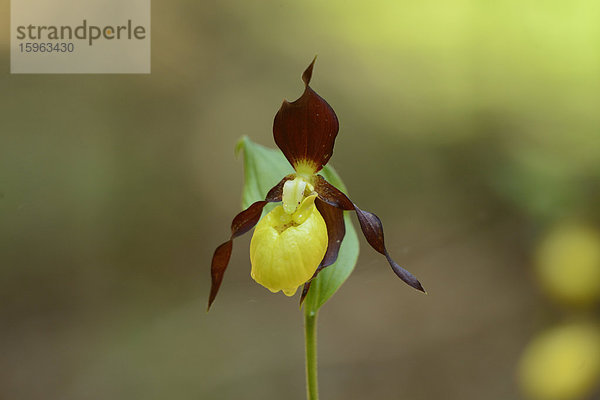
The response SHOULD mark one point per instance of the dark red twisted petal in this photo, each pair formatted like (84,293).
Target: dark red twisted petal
(332,195)
(241,224)
(305,129)
(336,230)
(370,224)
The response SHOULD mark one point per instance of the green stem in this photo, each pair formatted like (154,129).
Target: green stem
(310,335)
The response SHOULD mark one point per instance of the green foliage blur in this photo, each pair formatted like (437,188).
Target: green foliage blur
(471,128)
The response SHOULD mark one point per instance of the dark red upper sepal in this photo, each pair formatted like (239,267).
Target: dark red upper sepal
(305,130)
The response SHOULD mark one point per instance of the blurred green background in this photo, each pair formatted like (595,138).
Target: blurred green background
(471,128)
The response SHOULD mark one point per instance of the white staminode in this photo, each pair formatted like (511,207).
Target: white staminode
(293,194)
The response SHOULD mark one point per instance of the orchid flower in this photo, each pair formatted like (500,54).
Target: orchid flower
(300,237)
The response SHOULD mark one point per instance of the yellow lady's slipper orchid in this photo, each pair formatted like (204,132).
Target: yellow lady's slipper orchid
(296,240)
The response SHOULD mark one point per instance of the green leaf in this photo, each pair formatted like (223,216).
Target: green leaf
(263,169)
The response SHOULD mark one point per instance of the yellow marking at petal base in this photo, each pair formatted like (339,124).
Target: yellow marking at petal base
(305,169)
(286,250)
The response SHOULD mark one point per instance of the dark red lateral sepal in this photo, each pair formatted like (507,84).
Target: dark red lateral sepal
(336,230)
(305,129)
(241,224)
(370,224)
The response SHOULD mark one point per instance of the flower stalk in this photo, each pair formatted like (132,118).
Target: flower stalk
(310,337)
